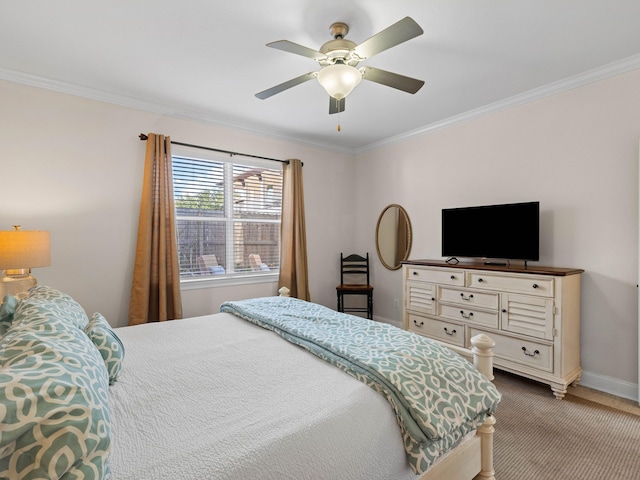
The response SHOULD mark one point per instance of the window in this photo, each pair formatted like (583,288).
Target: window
(227,217)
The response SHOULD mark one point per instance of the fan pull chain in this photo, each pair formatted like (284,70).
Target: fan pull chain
(338,121)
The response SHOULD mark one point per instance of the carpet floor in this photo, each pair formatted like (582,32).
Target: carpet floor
(539,437)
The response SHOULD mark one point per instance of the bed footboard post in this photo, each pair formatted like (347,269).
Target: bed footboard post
(482,349)
(284,292)
(486,449)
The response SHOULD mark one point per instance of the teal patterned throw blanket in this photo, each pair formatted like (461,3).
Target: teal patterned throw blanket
(437,395)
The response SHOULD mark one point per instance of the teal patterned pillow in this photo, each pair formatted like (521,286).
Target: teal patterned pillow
(108,343)
(58,305)
(7,309)
(54,415)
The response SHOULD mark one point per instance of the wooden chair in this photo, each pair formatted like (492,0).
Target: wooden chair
(352,268)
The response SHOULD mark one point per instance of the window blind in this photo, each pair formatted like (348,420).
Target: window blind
(227,216)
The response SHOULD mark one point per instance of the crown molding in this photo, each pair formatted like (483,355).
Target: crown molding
(590,76)
(158,108)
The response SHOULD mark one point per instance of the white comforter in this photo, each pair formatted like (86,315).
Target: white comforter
(216,397)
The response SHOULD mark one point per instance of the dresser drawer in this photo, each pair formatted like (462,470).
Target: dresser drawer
(421,297)
(445,276)
(524,352)
(531,285)
(467,298)
(469,315)
(444,331)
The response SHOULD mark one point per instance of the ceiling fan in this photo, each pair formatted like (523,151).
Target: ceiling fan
(340,57)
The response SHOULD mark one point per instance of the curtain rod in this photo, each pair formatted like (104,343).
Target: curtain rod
(142,136)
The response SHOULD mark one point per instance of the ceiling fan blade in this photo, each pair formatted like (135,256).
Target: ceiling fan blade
(287,46)
(286,85)
(394,80)
(335,105)
(399,32)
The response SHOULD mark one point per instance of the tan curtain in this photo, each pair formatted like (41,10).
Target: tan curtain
(293,251)
(155,290)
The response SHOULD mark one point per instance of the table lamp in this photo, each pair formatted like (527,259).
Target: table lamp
(20,251)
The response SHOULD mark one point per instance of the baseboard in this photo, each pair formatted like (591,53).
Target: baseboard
(613,386)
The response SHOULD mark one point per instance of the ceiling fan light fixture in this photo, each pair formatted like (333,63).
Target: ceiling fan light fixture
(339,79)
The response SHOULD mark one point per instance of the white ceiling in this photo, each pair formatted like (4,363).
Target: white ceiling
(205,60)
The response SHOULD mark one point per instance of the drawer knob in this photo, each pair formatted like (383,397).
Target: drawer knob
(466,316)
(468,298)
(453,277)
(504,310)
(535,285)
(535,352)
(433,299)
(452,332)
(421,324)
(415,273)
(480,280)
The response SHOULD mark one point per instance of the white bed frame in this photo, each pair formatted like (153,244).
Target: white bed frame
(472,459)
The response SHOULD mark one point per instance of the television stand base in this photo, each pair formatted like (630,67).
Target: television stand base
(500,264)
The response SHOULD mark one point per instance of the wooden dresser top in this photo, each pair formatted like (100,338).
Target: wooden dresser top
(537,270)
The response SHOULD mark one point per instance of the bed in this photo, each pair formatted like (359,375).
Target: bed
(246,393)
(254,404)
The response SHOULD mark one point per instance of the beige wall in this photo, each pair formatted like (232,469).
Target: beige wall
(73,166)
(577,153)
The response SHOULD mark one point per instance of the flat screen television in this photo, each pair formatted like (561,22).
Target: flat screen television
(508,231)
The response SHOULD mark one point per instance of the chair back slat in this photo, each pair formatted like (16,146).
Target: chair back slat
(354,267)
(354,264)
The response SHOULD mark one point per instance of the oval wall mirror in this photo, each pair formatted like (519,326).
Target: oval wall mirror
(393,236)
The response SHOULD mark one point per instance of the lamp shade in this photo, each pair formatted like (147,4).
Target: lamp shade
(339,80)
(24,249)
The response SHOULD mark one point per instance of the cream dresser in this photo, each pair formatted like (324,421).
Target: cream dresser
(532,313)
